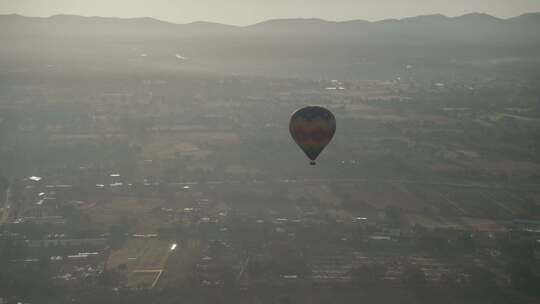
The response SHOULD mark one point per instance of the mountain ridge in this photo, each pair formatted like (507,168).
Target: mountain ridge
(301,46)
(291,21)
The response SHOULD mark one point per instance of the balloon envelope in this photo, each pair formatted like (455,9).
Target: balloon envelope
(312,128)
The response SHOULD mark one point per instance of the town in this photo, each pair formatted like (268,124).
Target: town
(191,188)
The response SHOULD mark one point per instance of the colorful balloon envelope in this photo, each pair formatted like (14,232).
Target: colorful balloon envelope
(312,128)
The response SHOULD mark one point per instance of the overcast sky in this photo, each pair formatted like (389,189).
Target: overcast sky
(244,12)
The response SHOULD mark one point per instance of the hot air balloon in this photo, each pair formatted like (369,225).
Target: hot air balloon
(312,128)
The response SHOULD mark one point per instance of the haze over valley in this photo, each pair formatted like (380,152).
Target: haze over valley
(143,161)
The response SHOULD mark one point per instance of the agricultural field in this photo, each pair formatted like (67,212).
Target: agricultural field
(141,216)
(192,143)
(142,259)
(179,270)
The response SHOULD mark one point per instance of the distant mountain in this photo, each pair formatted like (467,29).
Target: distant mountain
(477,17)
(71,23)
(531,19)
(66,24)
(62,19)
(289,46)
(527,16)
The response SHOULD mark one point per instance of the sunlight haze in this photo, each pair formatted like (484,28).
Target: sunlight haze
(245,12)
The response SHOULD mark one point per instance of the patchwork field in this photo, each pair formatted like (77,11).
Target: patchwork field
(142,217)
(142,258)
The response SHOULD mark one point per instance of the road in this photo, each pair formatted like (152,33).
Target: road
(358,180)
(158,273)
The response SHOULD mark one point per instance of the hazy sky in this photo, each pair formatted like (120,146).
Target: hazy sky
(243,12)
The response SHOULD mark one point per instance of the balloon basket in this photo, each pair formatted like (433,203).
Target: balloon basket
(312,163)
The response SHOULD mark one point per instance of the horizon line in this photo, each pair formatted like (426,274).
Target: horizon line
(271,19)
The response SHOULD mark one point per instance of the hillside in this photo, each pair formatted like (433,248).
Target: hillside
(284,47)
